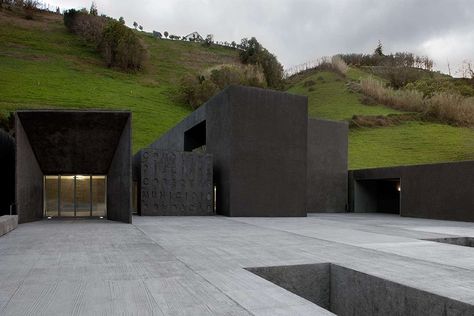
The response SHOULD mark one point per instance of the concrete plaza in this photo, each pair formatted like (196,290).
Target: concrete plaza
(195,265)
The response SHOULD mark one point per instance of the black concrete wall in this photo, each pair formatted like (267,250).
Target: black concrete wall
(268,152)
(7,172)
(119,178)
(327,166)
(258,139)
(219,142)
(29,178)
(438,191)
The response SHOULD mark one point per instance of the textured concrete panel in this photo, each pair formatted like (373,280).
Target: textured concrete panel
(327,166)
(8,223)
(28,178)
(439,191)
(175,183)
(119,178)
(7,170)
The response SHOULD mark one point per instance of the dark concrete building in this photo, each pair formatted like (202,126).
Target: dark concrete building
(7,172)
(438,191)
(73,164)
(261,143)
(246,152)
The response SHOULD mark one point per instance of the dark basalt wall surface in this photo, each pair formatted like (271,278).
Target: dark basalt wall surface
(175,183)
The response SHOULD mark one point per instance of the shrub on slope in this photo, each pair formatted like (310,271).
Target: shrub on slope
(117,44)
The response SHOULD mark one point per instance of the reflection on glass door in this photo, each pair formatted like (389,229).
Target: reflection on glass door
(51,196)
(66,196)
(99,196)
(83,196)
(75,196)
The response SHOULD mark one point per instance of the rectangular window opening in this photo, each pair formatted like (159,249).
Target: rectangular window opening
(195,138)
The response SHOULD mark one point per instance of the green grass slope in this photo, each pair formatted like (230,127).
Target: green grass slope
(411,142)
(42,65)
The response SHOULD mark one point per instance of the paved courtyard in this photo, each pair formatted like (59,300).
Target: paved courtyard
(195,265)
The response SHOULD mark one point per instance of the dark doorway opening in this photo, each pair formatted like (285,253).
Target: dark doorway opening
(195,138)
(380,195)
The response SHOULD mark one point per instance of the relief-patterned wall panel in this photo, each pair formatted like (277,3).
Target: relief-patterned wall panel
(176,183)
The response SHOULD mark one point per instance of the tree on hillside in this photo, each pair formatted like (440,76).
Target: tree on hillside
(93,9)
(467,69)
(166,34)
(378,50)
(122,20)
(209,40)
(135,25)
(255,54)
(141,28)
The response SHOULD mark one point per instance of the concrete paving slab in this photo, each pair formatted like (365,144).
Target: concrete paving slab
(195,265)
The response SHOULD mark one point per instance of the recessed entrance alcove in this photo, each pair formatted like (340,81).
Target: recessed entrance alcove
(380,195)
(344,291)
(73,164)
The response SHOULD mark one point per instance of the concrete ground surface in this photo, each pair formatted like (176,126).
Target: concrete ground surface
(195,265)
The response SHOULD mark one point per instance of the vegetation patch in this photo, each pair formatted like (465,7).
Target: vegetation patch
(359,121)
(253,53)
(118,44)
(444,107)
(196,90)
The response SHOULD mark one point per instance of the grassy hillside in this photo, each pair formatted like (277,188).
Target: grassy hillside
(44,66)
(412,142)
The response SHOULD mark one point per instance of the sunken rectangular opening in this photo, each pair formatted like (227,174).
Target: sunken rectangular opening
(458,241)
(345,291)
(380,195)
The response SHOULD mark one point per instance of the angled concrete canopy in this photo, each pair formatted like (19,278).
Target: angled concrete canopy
(72,142)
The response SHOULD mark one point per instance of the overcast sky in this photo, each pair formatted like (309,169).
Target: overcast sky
(297,31)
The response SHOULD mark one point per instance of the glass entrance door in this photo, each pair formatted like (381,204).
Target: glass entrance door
(66,196)
(75,196)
